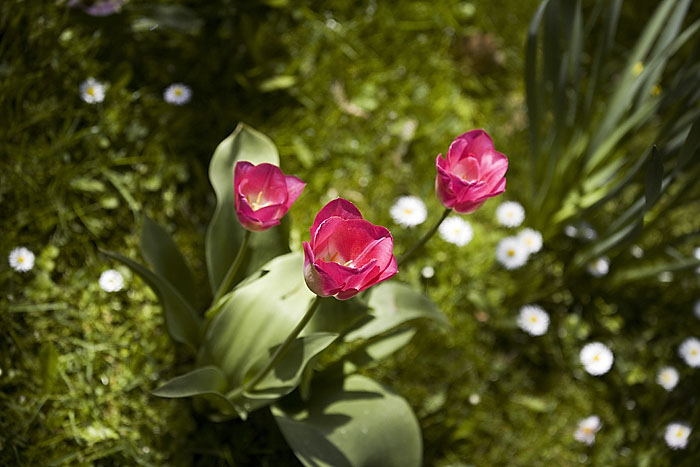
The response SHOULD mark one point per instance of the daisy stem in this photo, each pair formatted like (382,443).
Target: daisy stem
(281,350)
(406,256)
(231,273)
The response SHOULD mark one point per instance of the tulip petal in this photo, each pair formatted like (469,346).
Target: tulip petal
(294,188)
(338,207)
(319,281)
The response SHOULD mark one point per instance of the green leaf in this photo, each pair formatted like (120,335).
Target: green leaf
(165,258)
(645,272)
(286,375)
(351,422)
(225,234)
(653,178)
(205,380)
(183,323)
(393,304)
(620,237)
(376,349)
(208,382)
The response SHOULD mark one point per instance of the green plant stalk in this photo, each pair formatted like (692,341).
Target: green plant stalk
(231,273)
(406,256)
(282,349)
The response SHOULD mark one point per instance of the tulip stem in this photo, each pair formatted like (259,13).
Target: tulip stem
(231,273)
(281,350)
(406,256)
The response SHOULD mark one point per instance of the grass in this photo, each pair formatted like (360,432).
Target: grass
(359,99)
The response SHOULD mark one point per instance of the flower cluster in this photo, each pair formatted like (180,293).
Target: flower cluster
(93,91)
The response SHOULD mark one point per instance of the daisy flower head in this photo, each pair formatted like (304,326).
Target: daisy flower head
(532,240)
(676,435)
(177,94)
(511,253)
(586,429)
(596,358)
(456,230)
(533,320)
(428,272)
(667,377)
(111,280)
(21,259)
(598,267)
(689,351)
(696,253)
(92,91)
(409,211)
(510,214)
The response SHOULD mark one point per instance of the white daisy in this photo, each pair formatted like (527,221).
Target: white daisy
(510,214)
(532,240)
(427,272)
(696,308)
(533,320)
(596,358)
(21,259)
(92,91)
(599,267)
(456,230)
(667,377)
(177,94)
(586,429)
(696,253)
(111,281)
(636,251)
(474,399)
(511,253)
(409,211)
(689,351)
(676,435)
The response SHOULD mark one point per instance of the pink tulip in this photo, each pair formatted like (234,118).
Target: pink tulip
(347,254)
(472,173)
(263,194)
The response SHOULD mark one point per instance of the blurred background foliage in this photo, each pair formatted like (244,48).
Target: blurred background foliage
(359,97)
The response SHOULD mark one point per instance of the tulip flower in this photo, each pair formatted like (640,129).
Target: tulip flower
(346,254)
(472,172)
(263,194)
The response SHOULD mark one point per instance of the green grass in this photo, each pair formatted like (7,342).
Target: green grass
(359,99)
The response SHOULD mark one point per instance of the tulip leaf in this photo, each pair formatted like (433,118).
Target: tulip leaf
(376,349)
(350,422)
(225,234)
(205,380)
(208,382)
(161,252)
(393,304)
(182,321)
(286,374)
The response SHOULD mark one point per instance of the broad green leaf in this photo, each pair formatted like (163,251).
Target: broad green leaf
(257,317)
(183,323)
(208,382)
(286,374)
(224,234)
(205,380)
(376,349)
(351,422)
(393,304)
(165,258)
